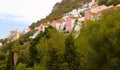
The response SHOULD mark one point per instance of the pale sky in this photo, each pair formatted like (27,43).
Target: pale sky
(18,14)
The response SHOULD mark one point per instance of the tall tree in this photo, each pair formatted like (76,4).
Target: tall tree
(10,62)
(71,55)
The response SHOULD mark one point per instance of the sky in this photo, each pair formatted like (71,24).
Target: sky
(19,14)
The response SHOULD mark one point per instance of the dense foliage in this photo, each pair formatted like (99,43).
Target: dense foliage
(109,2)
(96,48)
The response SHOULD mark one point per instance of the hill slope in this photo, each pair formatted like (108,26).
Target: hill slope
(59,9)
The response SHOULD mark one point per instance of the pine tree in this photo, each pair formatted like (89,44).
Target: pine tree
(53,57)
(71,55)
(10,63)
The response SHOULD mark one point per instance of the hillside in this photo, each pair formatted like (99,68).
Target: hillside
(68,5)
(97,47)
(59,9)
(109,2)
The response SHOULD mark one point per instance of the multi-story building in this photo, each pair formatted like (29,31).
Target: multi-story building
(1,44)
(25,30)
(70,23)
(13,35)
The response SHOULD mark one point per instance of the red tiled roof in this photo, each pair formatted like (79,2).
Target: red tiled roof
(108,9)
(93,13)
(74,17)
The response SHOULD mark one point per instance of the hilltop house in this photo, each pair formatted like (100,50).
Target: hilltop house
(74,13)
(53,24)
(25,30)
(1,44)
(96,9)
(60,24)
(13,35)
(89,4)
(70,23)
(92,16)
(79,25)
(40,28)
(118,5)
(43,26)
(94,12)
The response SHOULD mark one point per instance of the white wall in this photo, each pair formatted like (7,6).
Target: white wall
(0,44)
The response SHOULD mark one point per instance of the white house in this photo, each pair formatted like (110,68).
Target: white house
(35,34)
(86,5)
(79,24)
(1,44)
(58,24)
(91,3)
(62,26)
(40,28)
(74,13)
(81,19)
(13,35)
(65,16)
(26,30)
(96,9)
(118,5)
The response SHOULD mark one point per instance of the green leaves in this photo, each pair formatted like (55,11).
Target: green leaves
(21,66)
(103,37)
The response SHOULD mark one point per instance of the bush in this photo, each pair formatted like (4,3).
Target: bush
(21,66)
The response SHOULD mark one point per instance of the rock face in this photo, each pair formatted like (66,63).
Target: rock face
(59,4)
(55,7)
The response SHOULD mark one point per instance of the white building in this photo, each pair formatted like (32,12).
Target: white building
(35,34)
(1,44)
(96,9)
(79,24)
(13,35)
(74,13)
(118,5)
(26,30)
(62,26)
(91,3)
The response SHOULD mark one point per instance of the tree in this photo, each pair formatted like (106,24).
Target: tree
(103,36)
(20,66)
(54,58)
(2,61)
(10,62)
(71,56)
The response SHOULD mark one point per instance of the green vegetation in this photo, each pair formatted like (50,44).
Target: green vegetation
(96,48)
(20,66)
(103,36)
(109,2)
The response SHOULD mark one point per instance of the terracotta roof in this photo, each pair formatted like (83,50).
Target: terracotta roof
(93,13)
(74,17)
(108,9)
(99,6)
